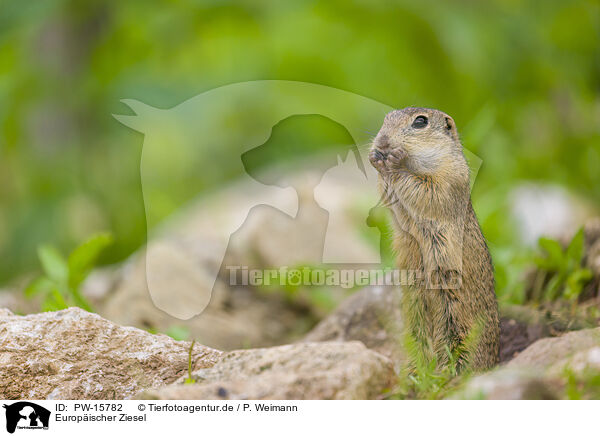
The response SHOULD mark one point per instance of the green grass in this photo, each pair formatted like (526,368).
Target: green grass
(422,378)
(190,378)
(582,386)
(60,285)
(560,272)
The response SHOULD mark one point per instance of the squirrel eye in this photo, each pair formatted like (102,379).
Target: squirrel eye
(420,122)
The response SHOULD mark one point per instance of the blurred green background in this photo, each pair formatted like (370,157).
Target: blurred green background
(521,79)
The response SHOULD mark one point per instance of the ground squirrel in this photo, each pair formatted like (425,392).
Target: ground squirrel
(424,181)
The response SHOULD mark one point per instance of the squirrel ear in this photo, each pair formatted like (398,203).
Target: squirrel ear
(449,124)
(451,128)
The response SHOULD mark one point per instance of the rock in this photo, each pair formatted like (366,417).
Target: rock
(73,354)
(371,316)
(520,326)
(270,239)
(236,316)
(547,210)
(538,372)
(326,370)
(552,351)
(579,363)
(505,384)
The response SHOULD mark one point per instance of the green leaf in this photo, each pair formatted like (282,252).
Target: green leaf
(576,281)
(83,258)
(49,305)
(53,263)
(554,251)
(178,333)
(551,292)
(79,300)
(581,275)
(544,263)
(575,248)
(55,301)
(41,285)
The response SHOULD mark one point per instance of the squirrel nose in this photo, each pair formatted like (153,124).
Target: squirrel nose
(383,143)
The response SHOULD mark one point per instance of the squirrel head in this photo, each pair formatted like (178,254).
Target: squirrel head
(419,140)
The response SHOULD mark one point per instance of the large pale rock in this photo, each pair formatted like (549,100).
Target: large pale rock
(371,316)
(270,239)
(538,372)
(580,363)
(510,384)
(326,370)
(185,251)
(236,317)
(521,326)
(73,354)
(552,351)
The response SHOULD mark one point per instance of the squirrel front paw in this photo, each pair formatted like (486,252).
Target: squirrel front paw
(386,161)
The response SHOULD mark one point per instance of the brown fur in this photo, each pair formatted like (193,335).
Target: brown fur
(424,180)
